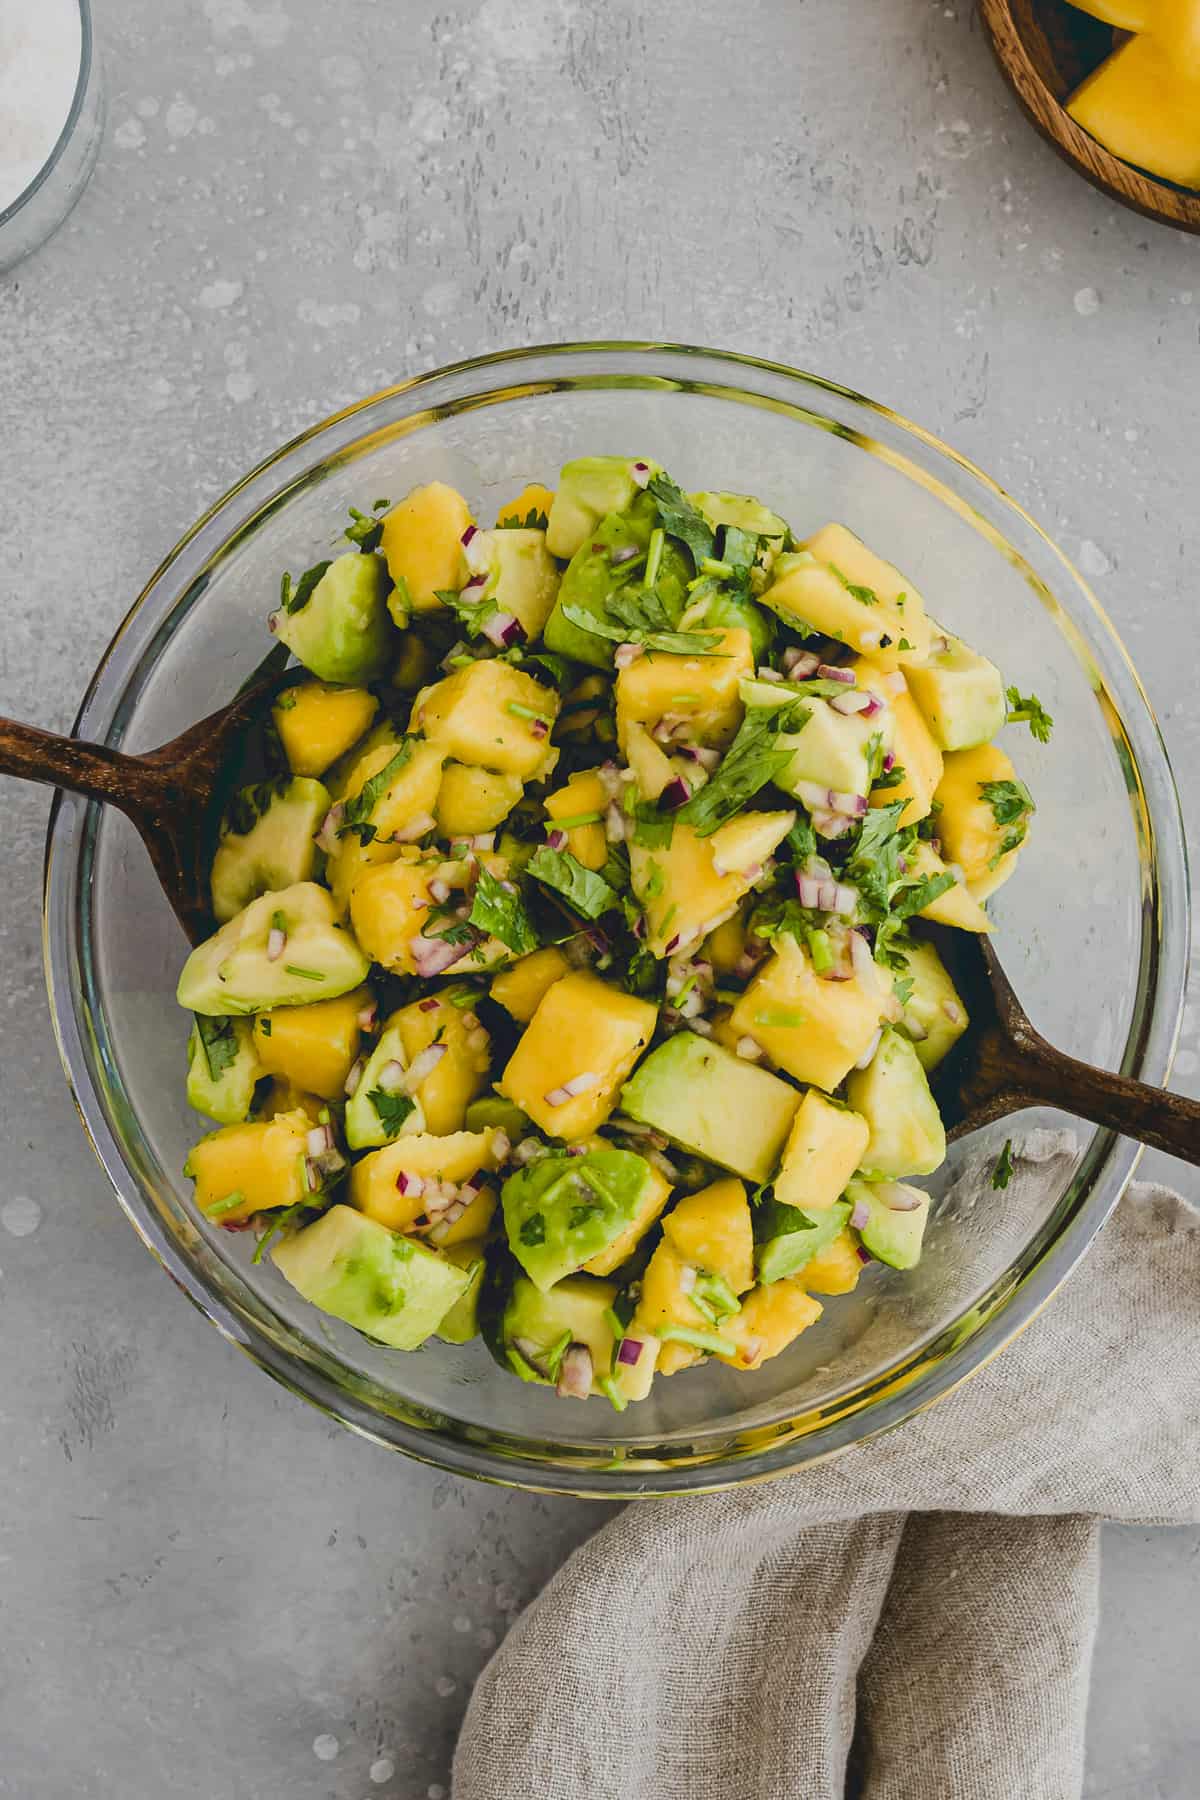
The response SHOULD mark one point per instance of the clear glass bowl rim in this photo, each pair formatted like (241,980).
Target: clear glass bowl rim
(44,174)
(924,1375)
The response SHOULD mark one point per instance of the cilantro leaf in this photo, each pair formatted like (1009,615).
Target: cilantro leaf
(363,530)
(473,615)
(293,598)
(874,863)
(677,643)
(585,891)
(680,518)
(865,595)
(1012,806)
(358,811)
(753,759)
(219,1043)
(533,1229)
(533,521)
(1027,709)
(1002,1174)
(502,914)
(393,1109)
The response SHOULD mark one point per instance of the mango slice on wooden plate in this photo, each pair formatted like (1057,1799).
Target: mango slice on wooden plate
(1139,106)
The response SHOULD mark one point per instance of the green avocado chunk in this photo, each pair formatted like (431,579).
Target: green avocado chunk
(563,1210)
(490,1109)
(588,489)
(786,1237)
(391,1287)
(593,579)
(892,1234)
(461,1323)
(892,1094)
(714,1104)
(342,631)
(744,513)
(934,1008)
(234,972)
(223,1069)
(375,1115)
(266,842)
(535,1327)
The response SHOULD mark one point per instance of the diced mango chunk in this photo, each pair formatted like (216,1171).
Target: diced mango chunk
(244,1169)
(530,508)
(984,816)
(700,692)
(835,1269)
(1145,109)
(823,1150)
(583,797)
(422,546)
(318,722)
(519,989)
(492,715)
(814,1029)
(834,584)
(375,1179)
(712,1229)
(461,1072)
(771,1318)
(313,1047)
(585,1034)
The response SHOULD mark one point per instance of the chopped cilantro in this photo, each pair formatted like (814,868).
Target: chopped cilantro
(902,987)
(533,1229)
(392,1109)
(681,519)
(502,914)
(533,521)
(653,884)
(1012,806)
(753,759)
(473,615)
(1027,709)
(358,810)
(583,889)
(652,830)
(1002,1174)
(218,1040)
(279,1222)
(866,595)
(293,598)
(363,530)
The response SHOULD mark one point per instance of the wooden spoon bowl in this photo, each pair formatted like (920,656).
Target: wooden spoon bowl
(1045,48)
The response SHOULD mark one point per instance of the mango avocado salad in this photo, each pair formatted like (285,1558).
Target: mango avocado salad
(573,982)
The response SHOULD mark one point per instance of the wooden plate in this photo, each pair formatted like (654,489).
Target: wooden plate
(1045,48)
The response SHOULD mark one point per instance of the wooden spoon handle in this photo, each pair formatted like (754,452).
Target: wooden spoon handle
(89,769)
(1151,1115)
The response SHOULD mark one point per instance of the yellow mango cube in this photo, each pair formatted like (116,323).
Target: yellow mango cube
(1126,15)
(663,1304)
(814,1029)
(957,906)
(712,1230)
(395,790)
(519,989)
(313,1047)
(318,722)
(462,1072)
(657,1193)
(584,1032)
(1145,109)
(421,543)
(472,1224)
(823,1150)
(725,947)
(492,715)
(373,1179)
(282,1097)
(771,1318)
(984,816)
(582,797)
(703,690)
(530,508)
(688,887)
(244,1169)
(913,747)
(835,1269)
(472,800)
(836,585)
(388,904)
(649,761)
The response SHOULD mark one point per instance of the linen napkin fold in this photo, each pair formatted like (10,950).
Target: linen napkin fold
(919,1611)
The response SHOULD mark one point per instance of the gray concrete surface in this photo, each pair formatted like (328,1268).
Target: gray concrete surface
(206,1591)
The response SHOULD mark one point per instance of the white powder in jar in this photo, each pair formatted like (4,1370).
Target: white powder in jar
(41,45)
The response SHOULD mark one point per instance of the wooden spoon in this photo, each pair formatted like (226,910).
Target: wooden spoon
(1045,48)
(1002,1064)
(174,796)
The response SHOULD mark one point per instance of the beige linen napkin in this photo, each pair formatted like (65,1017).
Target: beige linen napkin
(928,1599)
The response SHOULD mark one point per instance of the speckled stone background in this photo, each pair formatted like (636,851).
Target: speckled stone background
(207,1592)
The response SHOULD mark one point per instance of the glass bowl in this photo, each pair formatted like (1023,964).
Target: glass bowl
(1093,929)
(41,208)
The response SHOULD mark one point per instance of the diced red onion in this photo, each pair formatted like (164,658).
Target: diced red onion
(871,640)
(662,1163)
(538,728)
(391,1077)
(860,956)
(831,824)
(860,1215)
(904,1201)
(673,944)
(864,1256)
(469,1189)
(413,1186)
(869,1052)
(639,927)
(416,828)
(845,900)
(799,663)
(641,473)
(571,1090)
(707,757)
(751,1349)
(319,1139)
(528,1150)
(625,655)
(354,1077)
(431,955)
(894,683)
(424,1064)
(439,890)
(766,673)
(504,630)
(273,622)
(952,1011)
(835,672)
(367,1017)
(702,1027)
(501,1145)
(629,1352)
(622,554)
(418,904)
(327,838)
(478,1040)
(476,550)
(614,824)
(913,1026)
(430,1005)
(575,1374)
(687,1278)
(889,762)
(556,839)
(677,793)
(808,888)
(748,1050)
(529,1352)
(854,700)
(312,1175)
(276,943)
